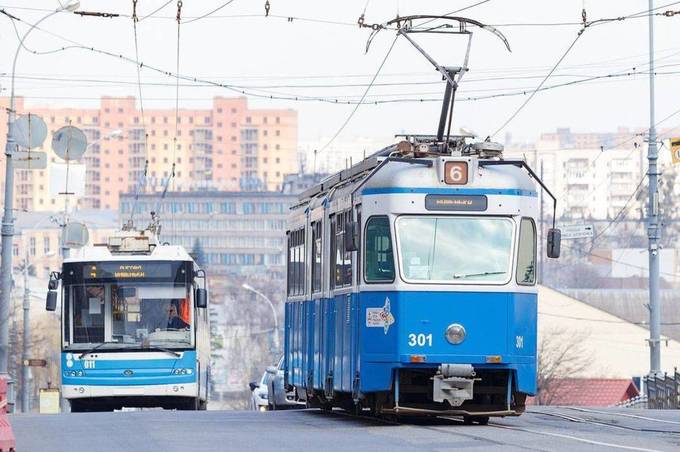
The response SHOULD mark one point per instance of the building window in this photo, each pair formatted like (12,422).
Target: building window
(31,246)
(379,260)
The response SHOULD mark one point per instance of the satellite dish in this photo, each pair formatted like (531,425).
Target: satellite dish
(69,143)
(75,235)
(30,131)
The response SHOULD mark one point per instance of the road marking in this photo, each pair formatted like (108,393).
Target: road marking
(575,438)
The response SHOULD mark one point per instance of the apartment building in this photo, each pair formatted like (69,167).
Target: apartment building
(592,174)
(225,147)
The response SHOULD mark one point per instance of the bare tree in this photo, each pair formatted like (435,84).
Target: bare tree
(561,354)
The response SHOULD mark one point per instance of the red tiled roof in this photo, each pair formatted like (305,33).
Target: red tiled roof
(587,392)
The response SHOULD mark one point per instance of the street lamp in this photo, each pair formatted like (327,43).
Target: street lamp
(271,305)
(26,355)
(7,219)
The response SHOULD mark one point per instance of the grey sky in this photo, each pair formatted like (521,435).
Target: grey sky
(271,51)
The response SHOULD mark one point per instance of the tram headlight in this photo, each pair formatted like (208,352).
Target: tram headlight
(455,333)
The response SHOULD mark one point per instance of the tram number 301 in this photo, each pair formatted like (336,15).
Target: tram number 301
(421,340)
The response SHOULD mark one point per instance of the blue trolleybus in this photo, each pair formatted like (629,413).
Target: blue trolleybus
(412,283)
(135,329)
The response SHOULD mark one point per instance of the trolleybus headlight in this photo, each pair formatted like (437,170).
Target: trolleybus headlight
(455,333)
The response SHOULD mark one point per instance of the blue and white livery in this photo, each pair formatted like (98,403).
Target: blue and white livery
(411,283)
(135,329)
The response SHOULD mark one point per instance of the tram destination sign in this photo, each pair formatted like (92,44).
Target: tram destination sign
(458,203)
(128,270)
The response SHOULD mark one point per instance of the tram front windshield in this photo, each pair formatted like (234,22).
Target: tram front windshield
(455,249)
(128,314)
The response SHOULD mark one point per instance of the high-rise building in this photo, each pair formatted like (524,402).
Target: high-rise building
(225,147)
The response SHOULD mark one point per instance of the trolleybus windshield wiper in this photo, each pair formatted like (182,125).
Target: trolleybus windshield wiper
(96,347)
(161,349)
(470,275)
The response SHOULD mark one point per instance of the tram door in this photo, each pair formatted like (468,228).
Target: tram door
(354,368)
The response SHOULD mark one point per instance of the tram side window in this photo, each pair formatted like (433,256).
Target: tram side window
(379,257)
(526,257)
(296,262)
(316,256)
(341,274)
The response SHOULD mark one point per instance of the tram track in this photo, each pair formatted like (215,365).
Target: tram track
(602,423)
(450,421)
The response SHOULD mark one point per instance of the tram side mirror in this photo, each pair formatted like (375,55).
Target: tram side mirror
(352,236)
(201,296)
(51,303)
(554,243)
(253,386)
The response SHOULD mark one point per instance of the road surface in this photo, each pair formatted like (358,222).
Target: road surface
(540,429)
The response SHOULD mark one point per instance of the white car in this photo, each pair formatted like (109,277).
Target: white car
(259,400)
(279,398)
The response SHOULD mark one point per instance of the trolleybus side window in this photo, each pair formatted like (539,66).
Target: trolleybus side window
(526,257)
(379,259)
(296,262)
(316,256)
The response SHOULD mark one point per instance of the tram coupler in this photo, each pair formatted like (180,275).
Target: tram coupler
(453,383)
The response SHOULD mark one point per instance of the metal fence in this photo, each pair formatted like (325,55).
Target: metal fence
(663,392)
(636,402)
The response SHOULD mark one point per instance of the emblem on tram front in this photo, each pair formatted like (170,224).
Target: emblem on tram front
(380,317)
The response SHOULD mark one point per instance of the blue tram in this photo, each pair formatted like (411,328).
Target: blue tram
(412,283)
(135,328)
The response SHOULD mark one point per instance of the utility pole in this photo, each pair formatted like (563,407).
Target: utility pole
(25,355)
(653,220)
(540,233)
(7,230)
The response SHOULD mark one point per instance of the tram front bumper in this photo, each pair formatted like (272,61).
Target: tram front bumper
(89,391)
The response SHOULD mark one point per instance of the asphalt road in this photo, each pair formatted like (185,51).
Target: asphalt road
(542,428)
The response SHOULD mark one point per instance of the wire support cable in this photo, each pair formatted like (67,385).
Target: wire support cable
(356,107)
(540,85)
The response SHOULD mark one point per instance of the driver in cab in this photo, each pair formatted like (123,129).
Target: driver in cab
(174,320)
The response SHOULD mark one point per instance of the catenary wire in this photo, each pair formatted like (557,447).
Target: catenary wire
(210,13)
(356,107)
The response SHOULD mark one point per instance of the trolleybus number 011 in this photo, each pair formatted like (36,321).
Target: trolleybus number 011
(420,340)
(456,173)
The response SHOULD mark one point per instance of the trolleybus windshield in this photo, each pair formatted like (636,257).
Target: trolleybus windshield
(115,310)
(455,249)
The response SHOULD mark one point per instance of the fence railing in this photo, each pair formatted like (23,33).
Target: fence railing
(663,392)
(636,402)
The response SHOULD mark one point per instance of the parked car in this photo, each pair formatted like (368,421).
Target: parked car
(279,398)
(259,399)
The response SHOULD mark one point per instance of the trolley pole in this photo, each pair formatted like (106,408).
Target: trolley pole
(25,355)
(653,220)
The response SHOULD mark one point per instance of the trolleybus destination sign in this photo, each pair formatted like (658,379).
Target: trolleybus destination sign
(127,270)
(475,203)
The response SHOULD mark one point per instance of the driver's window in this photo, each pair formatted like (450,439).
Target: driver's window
(126,314)
(379,266)
(88,314)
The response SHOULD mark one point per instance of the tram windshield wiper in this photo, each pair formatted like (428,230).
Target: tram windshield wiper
(471,275)
(161,349)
